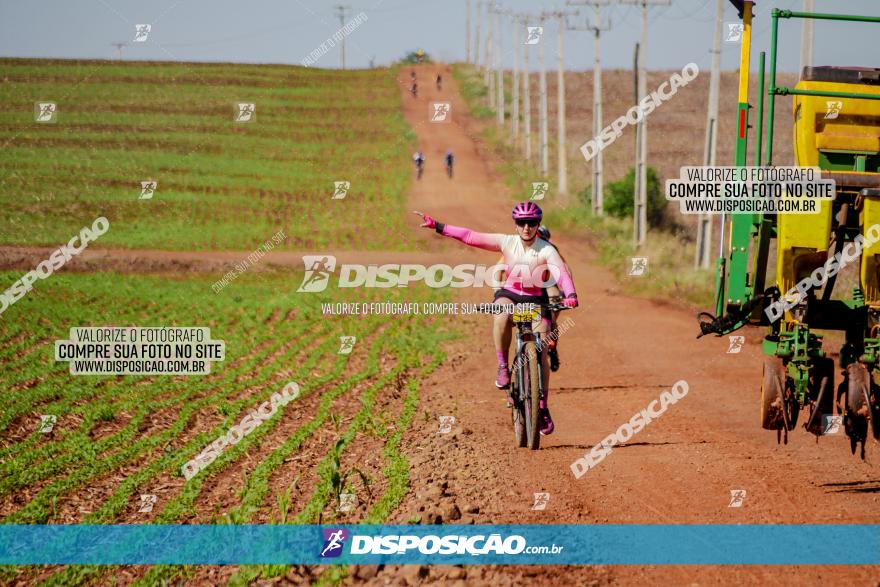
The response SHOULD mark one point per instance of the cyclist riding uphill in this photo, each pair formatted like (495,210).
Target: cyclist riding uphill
(525,255)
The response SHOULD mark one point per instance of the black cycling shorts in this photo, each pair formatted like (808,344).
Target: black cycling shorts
(524,299)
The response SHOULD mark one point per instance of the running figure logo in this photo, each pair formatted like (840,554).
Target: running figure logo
(346,344)
(831,424)
(736,344)
(147,189)
(45,111)
(47,423)
(539,190)
(346,502)
(832,109)
(141,32)
(440,111)
(534,35)
(638,267)
(734,32)
(318,270)
(541,501)
(147,503)
(245,112)
(737,497)
(334,541)
(340,189)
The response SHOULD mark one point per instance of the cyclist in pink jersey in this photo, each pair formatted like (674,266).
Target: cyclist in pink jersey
(527,257)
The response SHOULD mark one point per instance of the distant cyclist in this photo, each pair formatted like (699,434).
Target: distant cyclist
(524,253)
(419,160)
(439,82)
(450,159)
(414,90)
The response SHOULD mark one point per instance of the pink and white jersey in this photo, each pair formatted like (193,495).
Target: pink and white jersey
(525,264)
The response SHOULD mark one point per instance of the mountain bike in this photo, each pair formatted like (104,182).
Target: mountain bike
(526,381)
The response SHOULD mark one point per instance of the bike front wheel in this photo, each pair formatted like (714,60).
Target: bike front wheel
(531,394)
(518,418)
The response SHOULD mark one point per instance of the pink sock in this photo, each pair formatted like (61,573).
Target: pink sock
(543,403)
(502,358)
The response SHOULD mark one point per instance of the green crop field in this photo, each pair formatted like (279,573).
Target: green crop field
(220,184)
(118,437)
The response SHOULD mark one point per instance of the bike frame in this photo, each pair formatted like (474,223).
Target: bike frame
(524,330)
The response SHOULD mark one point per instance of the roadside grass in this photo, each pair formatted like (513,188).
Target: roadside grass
(671,275)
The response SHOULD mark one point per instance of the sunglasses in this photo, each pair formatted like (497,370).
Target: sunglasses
(531,222)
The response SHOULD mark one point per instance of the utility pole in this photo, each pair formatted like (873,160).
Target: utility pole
(341,10)
(467,31)
(637,191)
(806,38)
(119,47)
(597,200)
(642,136)
(487,58)
(562,166)
(641,172)
(477,35)
(514,114)
(499,93)
(527,102)
(704,222)
(487,77)
(542,83)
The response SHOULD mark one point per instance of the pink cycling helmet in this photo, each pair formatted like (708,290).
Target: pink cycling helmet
(526,211)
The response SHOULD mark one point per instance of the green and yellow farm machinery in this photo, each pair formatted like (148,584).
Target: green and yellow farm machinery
(836,127)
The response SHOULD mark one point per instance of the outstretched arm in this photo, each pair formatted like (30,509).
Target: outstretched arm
(482,240)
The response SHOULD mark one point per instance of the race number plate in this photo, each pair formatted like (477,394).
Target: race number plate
(526,315)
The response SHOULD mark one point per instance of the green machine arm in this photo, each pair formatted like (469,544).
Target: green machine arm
(735,286)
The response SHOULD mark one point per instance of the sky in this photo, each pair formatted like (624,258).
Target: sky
(262,31)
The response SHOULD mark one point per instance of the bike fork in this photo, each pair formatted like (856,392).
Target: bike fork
(517,360)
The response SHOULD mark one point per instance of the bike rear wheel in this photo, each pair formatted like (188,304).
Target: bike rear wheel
(531,395)
(517,416)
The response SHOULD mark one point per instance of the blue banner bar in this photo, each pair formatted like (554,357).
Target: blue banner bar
(775,544)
